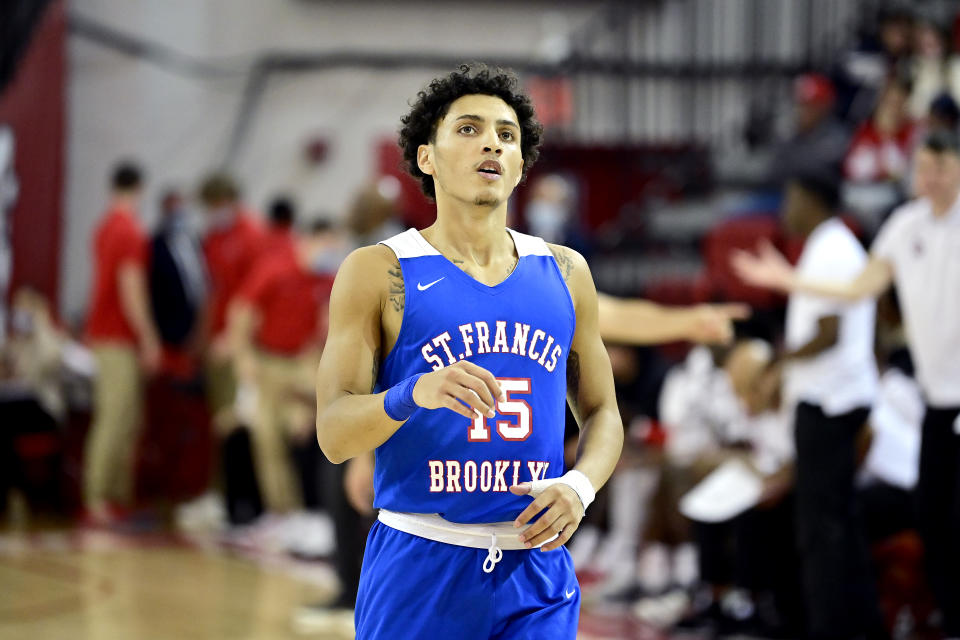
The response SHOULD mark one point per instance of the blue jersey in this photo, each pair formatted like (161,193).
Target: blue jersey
(520,330)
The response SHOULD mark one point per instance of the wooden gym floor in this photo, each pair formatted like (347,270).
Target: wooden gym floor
(82,585)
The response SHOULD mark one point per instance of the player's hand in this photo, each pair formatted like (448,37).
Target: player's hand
(767,268)
(562,517)
(358,483)
(462,387)
(713,323)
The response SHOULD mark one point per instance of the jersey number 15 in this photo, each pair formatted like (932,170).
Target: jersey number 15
(480,432)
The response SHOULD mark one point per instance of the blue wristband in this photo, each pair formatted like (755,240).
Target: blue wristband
(398,403)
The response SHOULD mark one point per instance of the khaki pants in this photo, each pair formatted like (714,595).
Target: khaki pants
(281,415)
(117,415)
(221,391)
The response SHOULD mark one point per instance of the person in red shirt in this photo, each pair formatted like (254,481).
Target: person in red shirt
(231,246)
(119,328)
(279,236)
(278,327)
(881,147)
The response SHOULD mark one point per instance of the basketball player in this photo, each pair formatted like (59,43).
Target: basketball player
(450,353)
(919,249)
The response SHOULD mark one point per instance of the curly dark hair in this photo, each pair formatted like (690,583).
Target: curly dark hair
(420,125)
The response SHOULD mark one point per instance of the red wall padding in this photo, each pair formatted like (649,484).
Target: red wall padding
(33,105)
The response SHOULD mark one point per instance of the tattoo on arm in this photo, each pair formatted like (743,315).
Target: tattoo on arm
(563,261)
(512,266)
(573,377)
(397,289)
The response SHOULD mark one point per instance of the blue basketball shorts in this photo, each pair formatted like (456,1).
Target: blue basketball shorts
(412,588)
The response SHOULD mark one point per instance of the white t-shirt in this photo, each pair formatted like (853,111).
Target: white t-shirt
(844,377)
(894,455)
(697,407)
(924,252)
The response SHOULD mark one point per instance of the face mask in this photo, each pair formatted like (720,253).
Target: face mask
(547,220)
(327,261)
(177,221)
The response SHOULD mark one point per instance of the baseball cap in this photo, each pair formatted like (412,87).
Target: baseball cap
(813,88)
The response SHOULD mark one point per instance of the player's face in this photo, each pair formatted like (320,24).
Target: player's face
(475,157)
(936,175)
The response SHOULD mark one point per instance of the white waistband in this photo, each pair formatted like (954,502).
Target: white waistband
(433,527)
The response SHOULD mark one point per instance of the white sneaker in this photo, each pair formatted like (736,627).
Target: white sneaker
(205,513)
(653,568)
(263,534)
(663,612)
(309,535)
(686,567)
(584,546)
(316,619)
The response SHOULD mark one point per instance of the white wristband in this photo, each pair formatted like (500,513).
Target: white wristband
(573,479)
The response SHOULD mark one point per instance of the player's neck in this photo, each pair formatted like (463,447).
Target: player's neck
(123,202)
(475,231)
(940,207)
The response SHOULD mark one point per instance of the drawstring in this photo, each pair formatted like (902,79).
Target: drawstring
(494,555)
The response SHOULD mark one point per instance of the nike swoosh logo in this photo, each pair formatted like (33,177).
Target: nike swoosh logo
(571,592)
(424,287)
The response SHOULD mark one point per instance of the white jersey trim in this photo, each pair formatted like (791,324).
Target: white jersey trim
(411,244)
(529,245)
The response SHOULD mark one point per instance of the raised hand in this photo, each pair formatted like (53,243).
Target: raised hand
(713,323)
(767,268)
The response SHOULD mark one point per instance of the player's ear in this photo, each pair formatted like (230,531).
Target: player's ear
(425,159)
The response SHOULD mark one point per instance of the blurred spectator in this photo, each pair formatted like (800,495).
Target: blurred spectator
(178,281)
(551,212)
(913,249)
(119,322)
(697,409)
(878,163)
(879,55)
(819,141)
(177,431)
(374,214)
(8,196)
(944,114)
(831,376)
(890,469)
(881,147)
(30,360)
(281,218)
(31,394)
(748,560)
(932,71)
(278,326)
(888,478)
(231,246)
